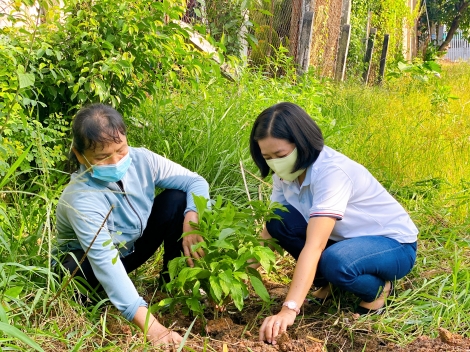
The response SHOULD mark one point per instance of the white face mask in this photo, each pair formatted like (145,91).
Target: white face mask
(283,166)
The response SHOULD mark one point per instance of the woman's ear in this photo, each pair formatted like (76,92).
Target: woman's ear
(80,157)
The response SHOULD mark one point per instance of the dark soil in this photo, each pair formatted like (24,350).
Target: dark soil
(320,328)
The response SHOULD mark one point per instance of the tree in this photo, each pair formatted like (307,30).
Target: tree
(454,14)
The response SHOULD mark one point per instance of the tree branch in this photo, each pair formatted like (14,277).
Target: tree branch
(464,5)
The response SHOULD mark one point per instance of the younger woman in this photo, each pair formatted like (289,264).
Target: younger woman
(109,209)
(343,228)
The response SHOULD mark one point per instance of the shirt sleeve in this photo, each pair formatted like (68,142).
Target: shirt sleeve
(277,194)
(85,215)
(331,190)
(170,175)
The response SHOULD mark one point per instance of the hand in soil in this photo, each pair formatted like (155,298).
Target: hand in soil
(157,334)
(276,324)
(166,340)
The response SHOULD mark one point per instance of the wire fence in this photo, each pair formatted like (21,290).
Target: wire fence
(459,48)
(326,31)
(277,24)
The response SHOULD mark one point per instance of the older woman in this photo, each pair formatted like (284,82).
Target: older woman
(109,209)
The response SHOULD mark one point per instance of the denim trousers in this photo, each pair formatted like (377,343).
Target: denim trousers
(359,265)
(164,226)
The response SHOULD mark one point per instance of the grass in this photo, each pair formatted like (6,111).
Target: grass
(412,136)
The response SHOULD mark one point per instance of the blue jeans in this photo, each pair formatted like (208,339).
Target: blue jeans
(359,265)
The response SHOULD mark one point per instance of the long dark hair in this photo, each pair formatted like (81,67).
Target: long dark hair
(94,125)
(290,122)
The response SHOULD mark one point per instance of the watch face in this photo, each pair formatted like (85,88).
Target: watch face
(291,305)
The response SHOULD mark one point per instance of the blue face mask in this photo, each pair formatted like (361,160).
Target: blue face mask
(113,172)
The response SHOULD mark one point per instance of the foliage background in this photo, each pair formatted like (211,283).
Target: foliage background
(409,132)
(389,17)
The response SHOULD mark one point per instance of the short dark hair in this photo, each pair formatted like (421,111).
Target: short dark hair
(290,122)
(93,125)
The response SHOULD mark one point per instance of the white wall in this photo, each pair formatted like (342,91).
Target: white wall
(28,15)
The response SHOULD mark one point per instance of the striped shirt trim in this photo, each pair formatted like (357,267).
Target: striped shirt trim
(335,215)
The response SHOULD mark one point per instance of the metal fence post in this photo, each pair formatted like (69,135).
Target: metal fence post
(383,58)
(369,52)
(341,56)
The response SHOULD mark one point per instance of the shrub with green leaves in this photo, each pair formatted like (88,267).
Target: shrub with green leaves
(418,69)
(231,243)
(116,52)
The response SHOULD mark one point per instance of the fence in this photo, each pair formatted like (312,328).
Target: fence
(459,48)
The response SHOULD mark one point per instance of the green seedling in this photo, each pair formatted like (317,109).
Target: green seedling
(232,248)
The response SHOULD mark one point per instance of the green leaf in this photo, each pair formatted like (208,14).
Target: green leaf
(201,203)
(224,286)
(107,242)
(17,163)
(194,305)
(3,315)
(16,333)
(195,290)
(215,287)
(25,79)
(174,265)
(164,303)
(226,276)
(241,275)
(432,66)
(237,295)
(188,273)
(265,257)
(185,337)
(14,292)
(223,244)
(259,288)
(404,67)
(218,202)
(225,233)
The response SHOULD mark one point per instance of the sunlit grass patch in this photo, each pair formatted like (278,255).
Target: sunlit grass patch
(413,137)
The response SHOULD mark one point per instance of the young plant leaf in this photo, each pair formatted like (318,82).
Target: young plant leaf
(225,233)
(237,295)
(215,287)
(194,305)
(223,244)
(259,288)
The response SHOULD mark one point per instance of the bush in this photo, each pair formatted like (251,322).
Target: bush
(230,243)
(117,53)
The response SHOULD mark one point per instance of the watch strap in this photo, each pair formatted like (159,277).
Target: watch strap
(292,305)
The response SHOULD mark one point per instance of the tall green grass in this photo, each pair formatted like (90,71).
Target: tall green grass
(411,136)
(208,130)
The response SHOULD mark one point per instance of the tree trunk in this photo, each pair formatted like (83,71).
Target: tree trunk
(454,26)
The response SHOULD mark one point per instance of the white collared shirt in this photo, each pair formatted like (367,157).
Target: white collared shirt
(339,187)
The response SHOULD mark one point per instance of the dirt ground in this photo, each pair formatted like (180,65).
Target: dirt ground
(237,331)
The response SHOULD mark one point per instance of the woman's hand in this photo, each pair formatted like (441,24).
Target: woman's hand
(157,334)
(165,338)
(191,239)
(276,325)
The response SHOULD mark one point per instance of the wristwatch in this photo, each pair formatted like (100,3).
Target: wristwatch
(292,305)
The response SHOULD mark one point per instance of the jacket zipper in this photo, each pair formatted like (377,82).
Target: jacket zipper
(130,204)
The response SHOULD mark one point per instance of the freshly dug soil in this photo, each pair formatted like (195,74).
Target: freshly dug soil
(238,331)
(319,328)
